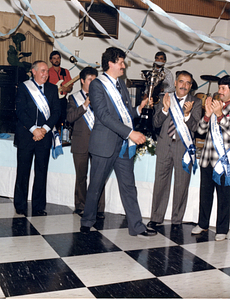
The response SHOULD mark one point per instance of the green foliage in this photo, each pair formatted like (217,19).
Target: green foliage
(14,54)
(18,38)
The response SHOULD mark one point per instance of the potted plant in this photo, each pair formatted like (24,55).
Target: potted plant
(14,54)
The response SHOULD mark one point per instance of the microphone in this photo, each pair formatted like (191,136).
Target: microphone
(72,59)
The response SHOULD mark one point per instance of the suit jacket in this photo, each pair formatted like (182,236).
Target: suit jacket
(209,154)
(160,119)
(108,130)
(81,132)
(27,114)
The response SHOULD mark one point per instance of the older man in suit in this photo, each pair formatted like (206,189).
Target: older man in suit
(37,110)
(80,113)
(112,142)
(178,113)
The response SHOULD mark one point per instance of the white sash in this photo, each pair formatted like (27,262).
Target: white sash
(222,166)
(38,97)
(121,110)
(88,115)
(41,102)
(177,115)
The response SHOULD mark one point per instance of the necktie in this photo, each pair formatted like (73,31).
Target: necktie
(125,101)
(118,86)
(90,107)
(172,128)
(38,121)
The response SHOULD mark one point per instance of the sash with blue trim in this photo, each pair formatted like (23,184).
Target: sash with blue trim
(41,102)
(222,166)
(88,116)
(177,115)
(122,111)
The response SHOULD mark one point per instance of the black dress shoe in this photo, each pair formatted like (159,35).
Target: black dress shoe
(39,213)
(148,232)
(85,229)
(79,212)
(152,224)
(21,212)
(100,215)
(176,227)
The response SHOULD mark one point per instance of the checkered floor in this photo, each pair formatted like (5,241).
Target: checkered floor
(48,257)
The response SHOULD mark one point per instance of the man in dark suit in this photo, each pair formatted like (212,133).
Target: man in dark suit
(33,137)
(214,161)
(81,114)
(182,110)
(112,142)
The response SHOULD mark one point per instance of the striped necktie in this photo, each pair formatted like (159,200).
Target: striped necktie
(118,86)
(172,127)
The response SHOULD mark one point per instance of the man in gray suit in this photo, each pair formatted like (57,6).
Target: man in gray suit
(178,113)
(112,142)
(80,113)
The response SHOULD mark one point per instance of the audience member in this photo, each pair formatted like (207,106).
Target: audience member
(60,77)
(166,85)
(80,113)
(214,161)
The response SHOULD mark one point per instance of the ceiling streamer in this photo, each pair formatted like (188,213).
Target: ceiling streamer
(69,31)
(19,23)
(46,29)
(204,37)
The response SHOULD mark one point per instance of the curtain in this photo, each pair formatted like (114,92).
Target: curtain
(36,41)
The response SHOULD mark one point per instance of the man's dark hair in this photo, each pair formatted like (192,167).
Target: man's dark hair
(224,80)
(111,54)
(55,52)
(88,71)
(185,73)
(160,53)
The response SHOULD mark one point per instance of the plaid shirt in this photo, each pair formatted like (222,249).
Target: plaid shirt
(209,154)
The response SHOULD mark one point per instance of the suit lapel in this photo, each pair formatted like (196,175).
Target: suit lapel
(188,98)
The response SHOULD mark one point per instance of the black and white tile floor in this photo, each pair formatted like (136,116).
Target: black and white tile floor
(48,257)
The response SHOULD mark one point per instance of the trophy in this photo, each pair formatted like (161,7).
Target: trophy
(145,124)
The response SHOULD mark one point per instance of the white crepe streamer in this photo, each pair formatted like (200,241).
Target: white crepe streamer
(151,5)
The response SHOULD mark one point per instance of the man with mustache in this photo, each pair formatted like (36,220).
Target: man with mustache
(112,143)
(178,113)
(167,84)
(56,73)
(214,161)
